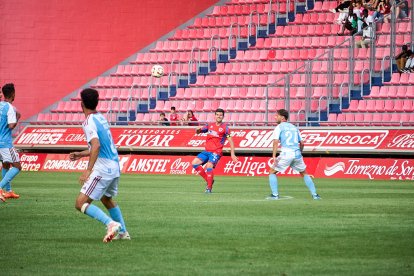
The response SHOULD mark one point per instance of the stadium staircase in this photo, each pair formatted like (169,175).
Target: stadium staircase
(254,57)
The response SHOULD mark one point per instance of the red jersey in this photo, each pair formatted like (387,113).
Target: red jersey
(174,118)
(193,119)
(216,137)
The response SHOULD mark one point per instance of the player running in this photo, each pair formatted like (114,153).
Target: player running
(291,154)
(8,154)
(100,180)
(217,133)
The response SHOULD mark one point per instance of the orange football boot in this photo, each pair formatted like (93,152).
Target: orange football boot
(10,194)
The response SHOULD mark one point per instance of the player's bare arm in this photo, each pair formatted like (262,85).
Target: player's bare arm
(275,146)
(13,125)
(232,151)
(93,156)
(76,155)
(301,146)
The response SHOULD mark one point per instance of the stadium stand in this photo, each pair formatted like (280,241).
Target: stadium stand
(253,57)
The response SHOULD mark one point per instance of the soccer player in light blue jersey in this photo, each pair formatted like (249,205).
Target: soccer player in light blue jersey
(8,154)
(100,180)
(292,145)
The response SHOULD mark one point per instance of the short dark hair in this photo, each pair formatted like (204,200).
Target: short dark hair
(8,90)
(284,113)
(162,114)
(172,107)
(90,98)
(219,110)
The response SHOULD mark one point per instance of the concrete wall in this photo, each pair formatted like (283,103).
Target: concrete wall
(49,48)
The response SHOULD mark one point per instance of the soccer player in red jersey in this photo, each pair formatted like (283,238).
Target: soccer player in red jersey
(217,133)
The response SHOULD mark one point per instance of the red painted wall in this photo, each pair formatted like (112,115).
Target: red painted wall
(49,48)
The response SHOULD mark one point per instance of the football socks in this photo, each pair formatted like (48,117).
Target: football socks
(273,183)
(116,215)
(96,213)
(9,176)
(310,184)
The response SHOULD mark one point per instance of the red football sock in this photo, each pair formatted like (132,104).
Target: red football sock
(202,172)
(210,179)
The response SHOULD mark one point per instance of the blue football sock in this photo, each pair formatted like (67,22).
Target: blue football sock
(116,215)
(96,213)
(310,184)
(7,187)
(8,177)
(273,183)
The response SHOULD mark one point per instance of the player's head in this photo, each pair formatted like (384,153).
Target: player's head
(172,109)
(190,113)
(90,98)
(282,115)
(8,92)
(162,115)
(219,114)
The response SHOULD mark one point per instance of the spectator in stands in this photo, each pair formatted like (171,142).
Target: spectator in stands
(189,119)
(383,11)
(409,64)
(8,154)
(350,23)
(366,38)
(401,10)
(402,57)
(163,121)
(343,5)
(174,116)
(357,8)
(365,23)
(365,20)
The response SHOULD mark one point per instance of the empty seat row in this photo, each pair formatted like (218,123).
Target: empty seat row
(370,119)
(389,91)
(128,82)
(405,79)
(226,21)
(279,6)
(283,42)
(103,106)
(380,105)
(67,118)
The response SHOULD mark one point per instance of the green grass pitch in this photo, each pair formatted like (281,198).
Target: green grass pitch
(358,228)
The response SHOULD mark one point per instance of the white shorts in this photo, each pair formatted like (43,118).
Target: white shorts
(288,159)
(99,185)
(9,155)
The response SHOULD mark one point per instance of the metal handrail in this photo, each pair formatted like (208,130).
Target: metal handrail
(319,105)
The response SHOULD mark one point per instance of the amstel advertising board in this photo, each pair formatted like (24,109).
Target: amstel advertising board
(356,168)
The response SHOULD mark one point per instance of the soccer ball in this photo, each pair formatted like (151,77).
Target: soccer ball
(157,71)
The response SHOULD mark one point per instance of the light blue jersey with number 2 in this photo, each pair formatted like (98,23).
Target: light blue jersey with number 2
(96,126)
(289,137)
